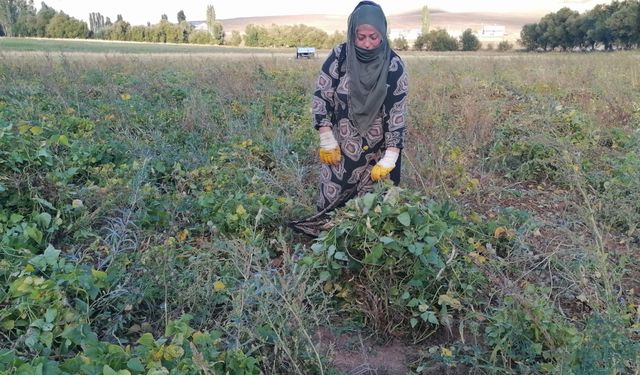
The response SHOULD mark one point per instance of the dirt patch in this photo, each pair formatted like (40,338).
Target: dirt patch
(352,353)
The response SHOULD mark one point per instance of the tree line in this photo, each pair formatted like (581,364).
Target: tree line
(607,26)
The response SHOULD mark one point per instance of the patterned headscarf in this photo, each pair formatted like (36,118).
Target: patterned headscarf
(367,69)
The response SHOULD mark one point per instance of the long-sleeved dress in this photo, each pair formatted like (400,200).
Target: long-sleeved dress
(360,152)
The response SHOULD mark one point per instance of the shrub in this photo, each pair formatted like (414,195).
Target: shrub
(400,44)
(527,332)
(408,261)
(469,41)
(505,46)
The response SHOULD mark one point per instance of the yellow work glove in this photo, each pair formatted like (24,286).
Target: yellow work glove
(329,151)
(384,166)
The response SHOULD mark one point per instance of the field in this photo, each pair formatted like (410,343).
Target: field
(144,201)
(35,45)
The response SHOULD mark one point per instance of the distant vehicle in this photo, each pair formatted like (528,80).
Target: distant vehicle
(307,52)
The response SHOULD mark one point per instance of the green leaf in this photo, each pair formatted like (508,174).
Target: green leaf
(331,250)
(134,364)
(146,340)
(404,219)
(416,248)
(106,370)
(324,276)
(340,256)
(386,240)
(45,203)
(50,315)
(44,220)
(414,322)
(8,325)
(2,188)
(51,255)
(368,200)
(15,218)
(34,234)
(375,255)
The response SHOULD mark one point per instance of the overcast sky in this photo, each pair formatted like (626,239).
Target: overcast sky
(139,12)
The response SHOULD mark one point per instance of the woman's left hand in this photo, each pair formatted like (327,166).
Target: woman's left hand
(385,165)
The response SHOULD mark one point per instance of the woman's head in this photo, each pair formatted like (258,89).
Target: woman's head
(367,25)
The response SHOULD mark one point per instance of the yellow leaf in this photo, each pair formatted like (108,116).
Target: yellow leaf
(63,140)
(219,286)
(29,268)
(125,96)
(499,232)
(240,210)
(70,111)
(158,354)
(445,352)
(448,300)
(36,130)
(477,258)
(98,275)
(182,235)
(24,128)
(172,352)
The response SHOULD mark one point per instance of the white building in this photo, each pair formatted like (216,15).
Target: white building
(490,31)
(199,25)
(409,34)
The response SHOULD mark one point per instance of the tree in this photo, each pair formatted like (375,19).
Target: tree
(235,39)
(215,28)
(529,36)
(442,41)
(164,17)
(211,18)
(64,26)
(10,11)
(217,33)
(181,16)
(119,30)
(334,39)
(469,41)
(421,42)
(96,22)
(25,24)
(43,17)
(624,24)
(200,37)
(426,20)
(400,43)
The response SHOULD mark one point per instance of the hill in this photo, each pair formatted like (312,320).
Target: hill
(455,23)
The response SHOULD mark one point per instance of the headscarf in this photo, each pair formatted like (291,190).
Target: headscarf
(367,69)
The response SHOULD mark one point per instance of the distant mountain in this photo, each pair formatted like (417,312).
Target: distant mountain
(455,23)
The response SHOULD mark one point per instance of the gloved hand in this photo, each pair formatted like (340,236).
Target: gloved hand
(329,151)
(385,165)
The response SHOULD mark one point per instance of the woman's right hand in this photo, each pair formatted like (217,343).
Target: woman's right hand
(329,151)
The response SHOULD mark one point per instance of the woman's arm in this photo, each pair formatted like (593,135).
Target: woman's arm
(323,97)
(395,106)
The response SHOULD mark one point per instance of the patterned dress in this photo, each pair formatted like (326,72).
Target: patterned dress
(360,152)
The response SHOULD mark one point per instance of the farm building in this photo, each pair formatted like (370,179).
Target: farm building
(493,31)
(408,34)
(199,25)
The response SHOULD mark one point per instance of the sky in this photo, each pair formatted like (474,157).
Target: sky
(139,12)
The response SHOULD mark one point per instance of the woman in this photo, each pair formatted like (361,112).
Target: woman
(359,109)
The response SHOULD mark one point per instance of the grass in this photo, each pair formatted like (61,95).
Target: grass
(165,182)
(100,46)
